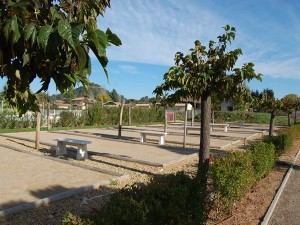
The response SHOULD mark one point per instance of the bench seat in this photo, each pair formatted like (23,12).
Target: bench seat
(161,136)
(81,147)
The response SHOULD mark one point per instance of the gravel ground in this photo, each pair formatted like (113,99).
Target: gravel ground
(245,212)
(53,213)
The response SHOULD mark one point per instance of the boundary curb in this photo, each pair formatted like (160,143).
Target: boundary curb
(275,200)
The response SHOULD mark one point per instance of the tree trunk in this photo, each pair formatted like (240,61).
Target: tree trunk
(289,119)
(295,117)
(37,133)
(212,115)
(184,126)
(272,123)
(120,121)
(204,150)
(166,120)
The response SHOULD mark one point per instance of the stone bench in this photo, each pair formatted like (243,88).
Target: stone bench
(212,125)
(81,147)
(196,128)
(161,136)
(224,125)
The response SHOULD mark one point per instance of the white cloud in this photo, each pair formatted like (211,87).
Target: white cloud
(153,31)
(128,69)
(288,68)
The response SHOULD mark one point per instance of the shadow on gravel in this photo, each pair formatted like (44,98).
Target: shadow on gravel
(11,206)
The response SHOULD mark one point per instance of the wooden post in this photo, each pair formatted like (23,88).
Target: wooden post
(184,126)
(166,120)
(48,116)
(121,117)
(193,115)
(129,115)
(37,133)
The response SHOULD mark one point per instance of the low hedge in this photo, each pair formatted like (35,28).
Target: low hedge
(263,158)
(171,199)
(232,176)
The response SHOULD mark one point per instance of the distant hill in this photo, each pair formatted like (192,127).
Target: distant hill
(92,93)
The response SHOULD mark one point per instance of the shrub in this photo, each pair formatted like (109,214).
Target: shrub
(171,199)
(67,119)
(281,142)
(232,176)
(263,158)
(71,219)
(248,117)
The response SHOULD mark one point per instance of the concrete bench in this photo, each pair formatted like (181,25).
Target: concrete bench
(81,144)
(224,125)
(196,128)
(212,125)
(161,136)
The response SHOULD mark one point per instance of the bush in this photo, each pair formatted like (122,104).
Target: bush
(284,139)
(172,199)
(281,142)
(67,119)
(232,176)
(71,219)
(263,158)
(248,117)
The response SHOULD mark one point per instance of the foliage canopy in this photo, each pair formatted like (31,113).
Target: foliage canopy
(50,40)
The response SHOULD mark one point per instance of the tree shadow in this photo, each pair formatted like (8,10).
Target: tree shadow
(51,192)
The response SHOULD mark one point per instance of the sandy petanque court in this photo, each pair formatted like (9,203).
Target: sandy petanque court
(28,180)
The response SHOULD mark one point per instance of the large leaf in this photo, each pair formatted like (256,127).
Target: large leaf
(103,41)
(12,26)
(82,58)
(65,31)
(97,38)
(43,36)
(55,14)
(30,32)
(113,38)
(76,31)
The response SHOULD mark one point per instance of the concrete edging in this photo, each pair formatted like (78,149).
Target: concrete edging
(53,198)
(275,200)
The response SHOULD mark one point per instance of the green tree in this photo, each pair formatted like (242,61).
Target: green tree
(68,95)
(289,104)
(103,97)
(202,73)
(269,104)
(115,96)
(50,40)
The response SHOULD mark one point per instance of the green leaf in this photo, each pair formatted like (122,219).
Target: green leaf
(26,58)
(12,26)
(103,42)
(77,30)
(18,75)
(82,58)
(69,77)
(113,38)
(65,31)
(30,32)
(55,14)
(43,36)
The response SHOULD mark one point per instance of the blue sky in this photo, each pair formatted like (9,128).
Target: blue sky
(268,32)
